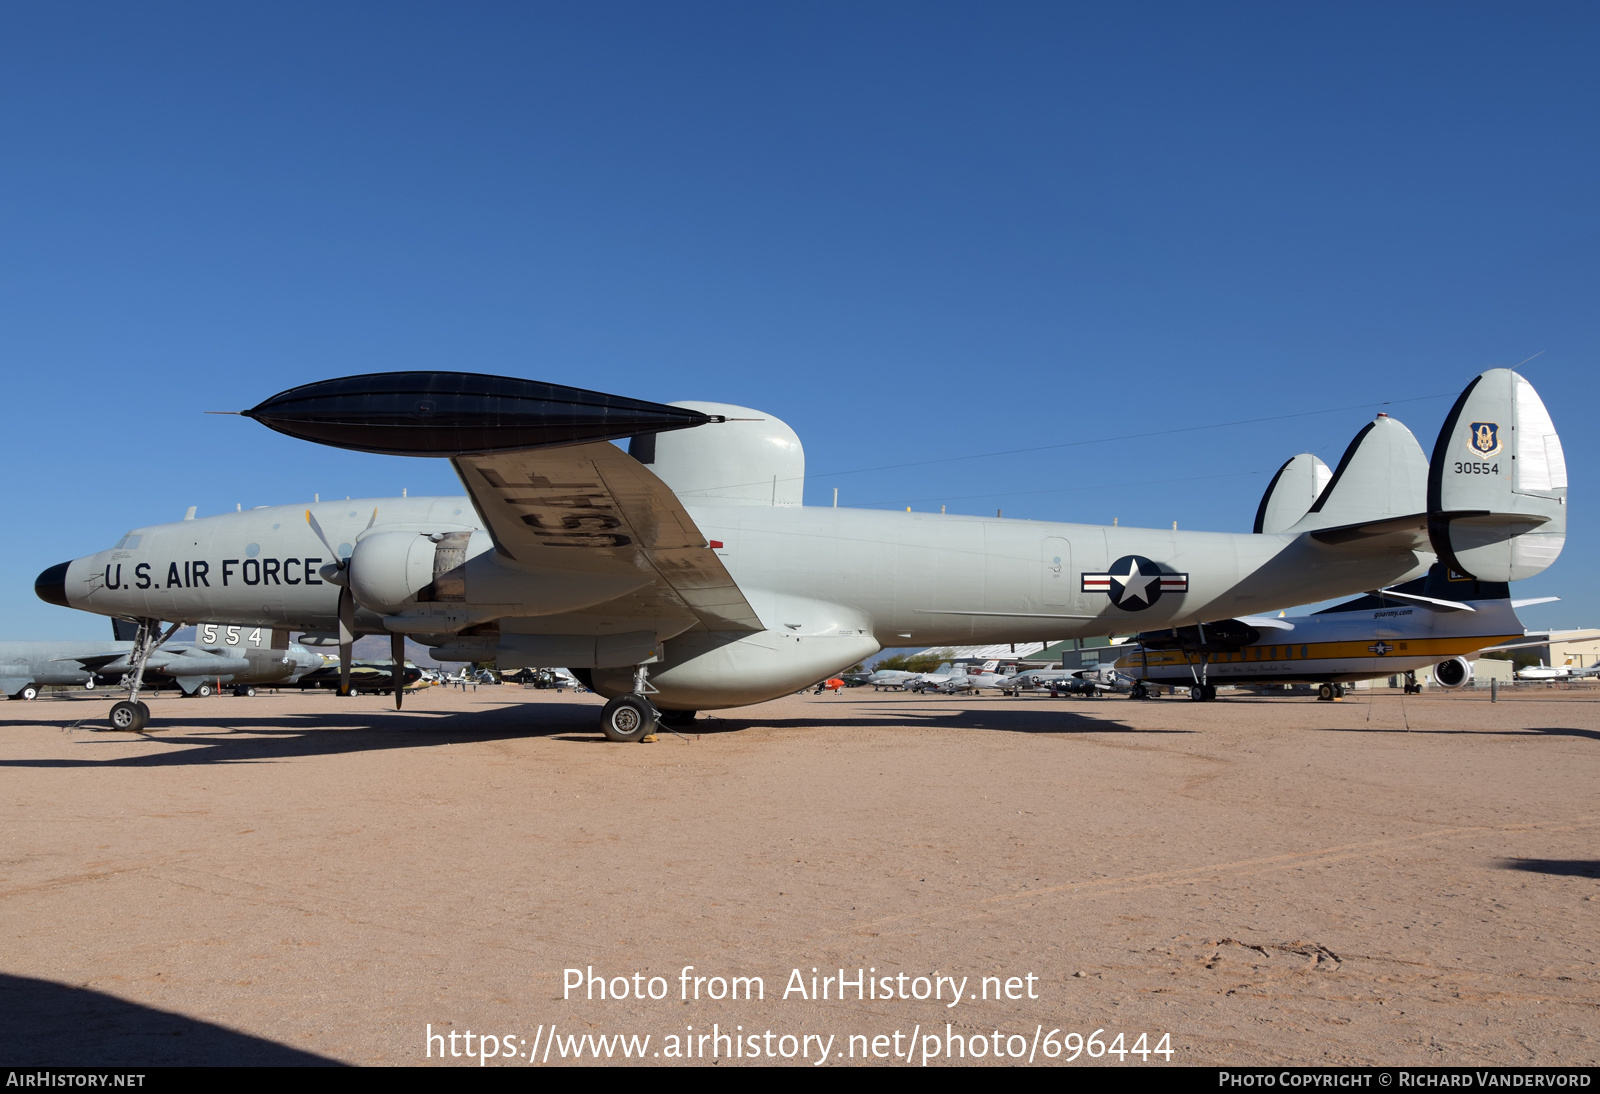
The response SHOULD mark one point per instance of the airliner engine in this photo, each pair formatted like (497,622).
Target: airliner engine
(1454,673)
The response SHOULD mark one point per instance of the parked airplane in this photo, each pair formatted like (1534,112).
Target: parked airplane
(974,678)
(1567,671)
(685,574)
(365,677)
(886,678)
(222,655)
(1444,620)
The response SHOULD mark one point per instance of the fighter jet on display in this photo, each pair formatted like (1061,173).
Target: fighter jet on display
(685,574)
(221,656)
(1444,620)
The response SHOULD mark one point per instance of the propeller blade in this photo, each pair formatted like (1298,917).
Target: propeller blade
(317,528)
(347,637)
(397,655)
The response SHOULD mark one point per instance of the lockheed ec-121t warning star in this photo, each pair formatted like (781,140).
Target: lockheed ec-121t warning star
(685,574)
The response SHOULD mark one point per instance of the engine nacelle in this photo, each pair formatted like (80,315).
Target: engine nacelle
(388,569)
(1454,673)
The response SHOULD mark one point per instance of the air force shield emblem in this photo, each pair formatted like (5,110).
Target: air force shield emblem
(1484,438)
(1134,583)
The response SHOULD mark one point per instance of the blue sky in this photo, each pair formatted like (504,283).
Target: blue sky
(913,231)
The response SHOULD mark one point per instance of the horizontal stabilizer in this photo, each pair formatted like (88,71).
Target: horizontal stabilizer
(1430,601)
(1269,622)
(1382,475)
(1291,493)
(1497,483)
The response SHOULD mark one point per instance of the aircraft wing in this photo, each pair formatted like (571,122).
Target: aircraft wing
(593,507)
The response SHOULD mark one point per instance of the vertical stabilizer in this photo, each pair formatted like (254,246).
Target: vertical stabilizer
(1383,474)
(1497,483)
(1291,493)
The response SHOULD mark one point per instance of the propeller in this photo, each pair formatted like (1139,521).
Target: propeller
(347,602)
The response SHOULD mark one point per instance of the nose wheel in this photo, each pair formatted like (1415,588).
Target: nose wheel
(130,717)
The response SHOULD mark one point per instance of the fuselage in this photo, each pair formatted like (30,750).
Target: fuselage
(904,578)
(1363,643)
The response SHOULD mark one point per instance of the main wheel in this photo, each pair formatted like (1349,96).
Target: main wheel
(1325,692)
(28,691)
(129,717)
(1137,692)
(202,692)
(1197,693)
(1211,692)
(627,718)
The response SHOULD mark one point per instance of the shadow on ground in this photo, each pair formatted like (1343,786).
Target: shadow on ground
(55,1025)
(287,736)
(1004,718)
(1563,867)
(1531,731)
(270,739)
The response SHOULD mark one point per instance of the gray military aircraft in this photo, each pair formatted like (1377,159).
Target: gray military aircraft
(222,655)
(685,574)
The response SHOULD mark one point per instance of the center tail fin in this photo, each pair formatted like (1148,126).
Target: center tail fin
(1383,475)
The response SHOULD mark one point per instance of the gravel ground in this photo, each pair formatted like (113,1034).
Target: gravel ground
(299,879)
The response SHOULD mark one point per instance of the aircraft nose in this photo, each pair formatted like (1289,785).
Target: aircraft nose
(51,586)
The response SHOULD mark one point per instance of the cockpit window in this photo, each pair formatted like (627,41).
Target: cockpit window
(128,542)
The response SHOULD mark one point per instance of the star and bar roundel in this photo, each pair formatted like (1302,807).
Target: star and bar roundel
(1134,583)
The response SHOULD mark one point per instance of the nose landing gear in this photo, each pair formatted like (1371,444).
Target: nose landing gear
(130,715)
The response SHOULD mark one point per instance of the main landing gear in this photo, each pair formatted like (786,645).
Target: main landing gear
(630,717)
(130,715)
(1203,693)
(1327,693)
(1412,687)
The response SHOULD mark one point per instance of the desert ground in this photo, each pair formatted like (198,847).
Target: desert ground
(299,878)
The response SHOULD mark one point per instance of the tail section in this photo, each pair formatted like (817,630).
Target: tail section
(1291,493)
(1497,484)
(1383,475)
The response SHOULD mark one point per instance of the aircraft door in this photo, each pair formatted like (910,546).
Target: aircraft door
(1057,572)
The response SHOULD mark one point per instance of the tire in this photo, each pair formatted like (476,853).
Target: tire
(1137,692)
(1211,693)
(88,685)
(202,692)
(1197,693)
(627,718)
(129,717)
(1325,692)
(28,692)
